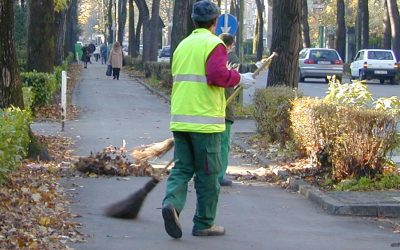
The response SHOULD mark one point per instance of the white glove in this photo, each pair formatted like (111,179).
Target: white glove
(246,80)
(260,63)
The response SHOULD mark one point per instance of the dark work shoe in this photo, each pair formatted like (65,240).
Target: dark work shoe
(225,182)
(212,231)
(171,221)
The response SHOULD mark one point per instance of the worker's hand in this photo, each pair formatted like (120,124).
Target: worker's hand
(246,80)
(260,63)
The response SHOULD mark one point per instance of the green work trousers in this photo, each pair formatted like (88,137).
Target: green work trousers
(196,154)
(225,148)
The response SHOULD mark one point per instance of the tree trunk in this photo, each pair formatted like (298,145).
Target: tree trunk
(362,25)
(340,41)
(395,26)
(305,26)
(387,34)
(121,20)
(40,49)
(132,38)
(286,41)
(72,25)
(365,25)
(357,26)
(180,23)
(60,36)
(260,41)
(154,30)
(144,16)
(10,82)
(138,33)
(190,25)
(110,22)
(239,41)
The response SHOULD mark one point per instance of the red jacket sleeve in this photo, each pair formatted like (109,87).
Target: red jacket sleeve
(216,71)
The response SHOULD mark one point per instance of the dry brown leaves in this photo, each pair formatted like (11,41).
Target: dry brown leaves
(285,164)
(113,161)
(53,112)
(34,207)
(132,72)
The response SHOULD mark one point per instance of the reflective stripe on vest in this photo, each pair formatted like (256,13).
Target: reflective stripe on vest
(190,78)
(197,119)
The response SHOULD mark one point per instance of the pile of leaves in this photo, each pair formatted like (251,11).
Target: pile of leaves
(112,161)
(34,207)
(285,162)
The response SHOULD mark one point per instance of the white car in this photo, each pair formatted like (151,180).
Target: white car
(374,64)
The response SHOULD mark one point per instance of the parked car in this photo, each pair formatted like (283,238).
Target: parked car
(374,64)
(165,52)
(320,63)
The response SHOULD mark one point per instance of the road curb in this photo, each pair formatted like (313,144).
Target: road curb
(153,90)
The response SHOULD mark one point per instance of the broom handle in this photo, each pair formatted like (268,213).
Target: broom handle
(163,170)
(255,74)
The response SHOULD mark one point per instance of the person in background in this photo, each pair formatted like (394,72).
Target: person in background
(103,53)
(85,55)
(97,53)
(92,49)
(233,62)
(115,59)
(197,119)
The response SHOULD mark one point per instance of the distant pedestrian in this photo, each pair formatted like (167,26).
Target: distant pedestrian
(115,59)
(103,53)
(85,55)
(92,49)
(97,53)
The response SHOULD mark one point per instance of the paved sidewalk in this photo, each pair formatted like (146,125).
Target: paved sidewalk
(256,215)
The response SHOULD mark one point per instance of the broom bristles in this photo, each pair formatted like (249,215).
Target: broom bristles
(130,207)
(157,149)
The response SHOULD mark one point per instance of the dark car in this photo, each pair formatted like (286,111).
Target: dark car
(165,52)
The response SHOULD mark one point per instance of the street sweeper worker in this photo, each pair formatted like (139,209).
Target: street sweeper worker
(197,119)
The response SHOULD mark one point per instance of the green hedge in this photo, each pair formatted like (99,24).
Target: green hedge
(155,69)
(136,63)
(271,112)
(348,141)
(44,86)
(14,138)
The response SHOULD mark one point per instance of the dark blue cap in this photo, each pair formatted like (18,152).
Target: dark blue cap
(205,11)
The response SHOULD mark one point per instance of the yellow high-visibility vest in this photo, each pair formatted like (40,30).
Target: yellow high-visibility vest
(195,105)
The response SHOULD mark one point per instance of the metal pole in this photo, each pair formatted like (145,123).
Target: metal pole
(63,99)
(226,16)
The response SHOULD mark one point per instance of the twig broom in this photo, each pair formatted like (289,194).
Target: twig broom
(130,207)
